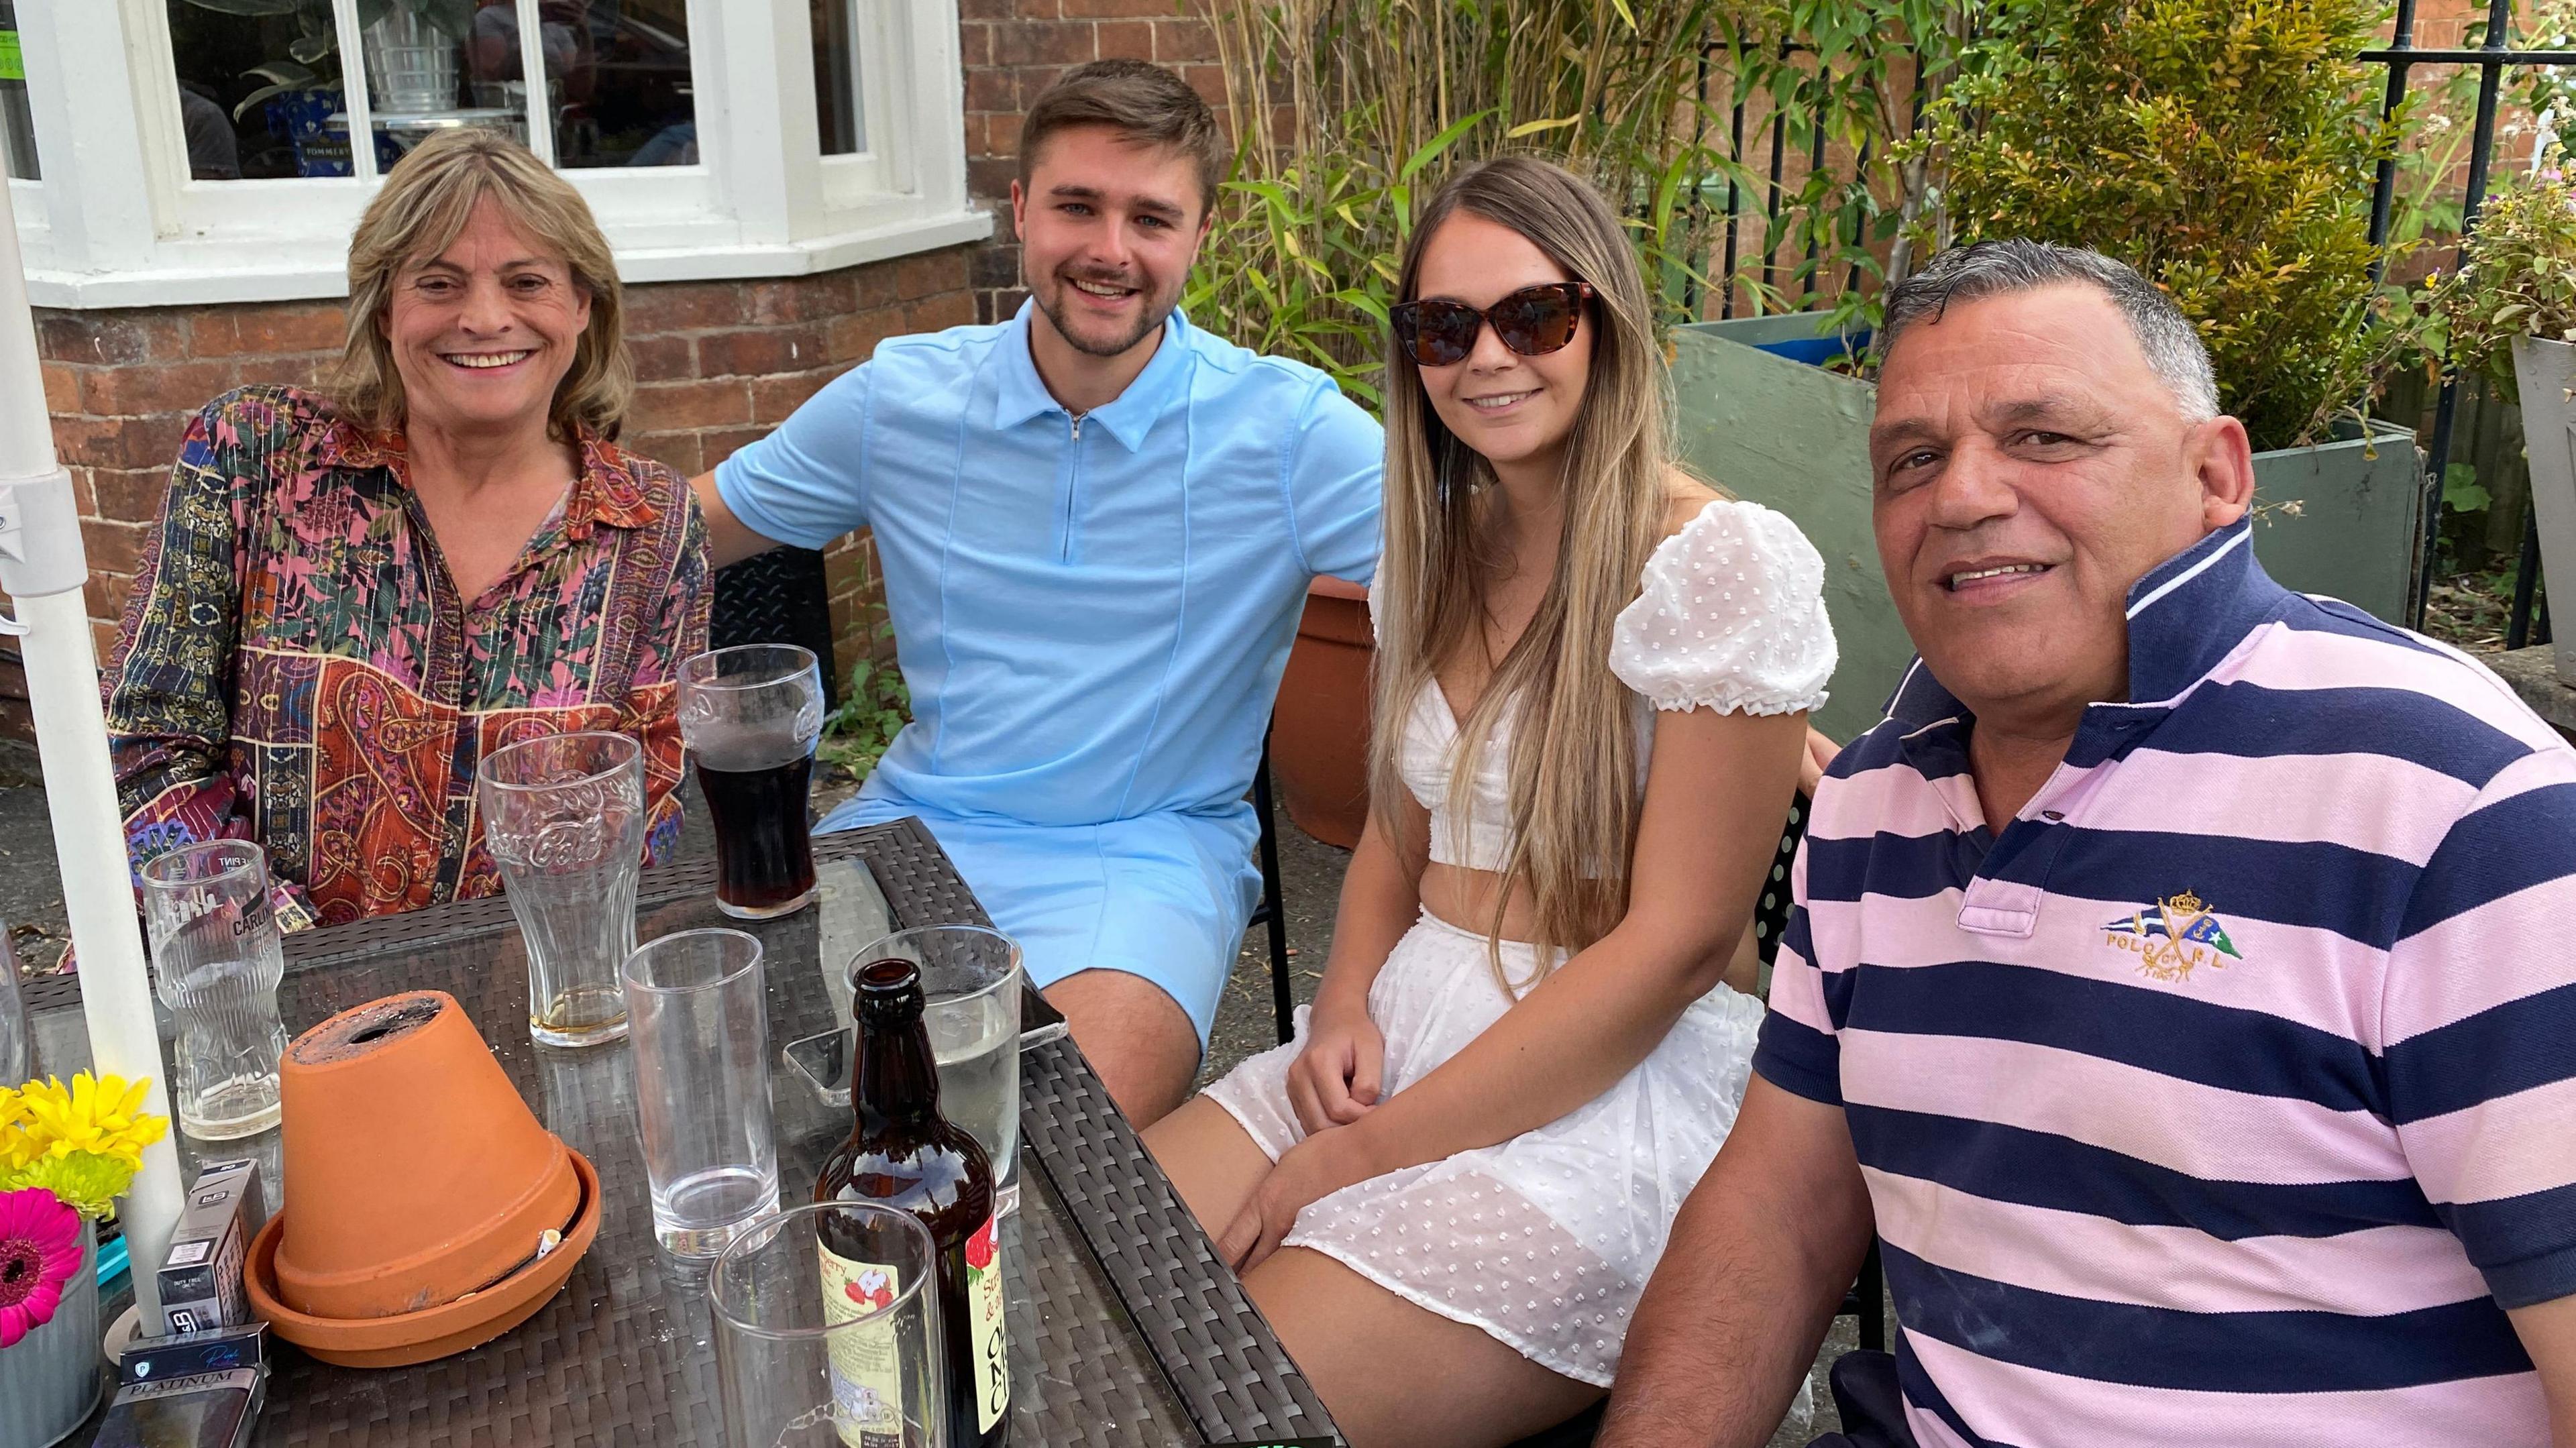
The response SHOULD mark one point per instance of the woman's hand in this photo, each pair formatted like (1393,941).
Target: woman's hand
(1814,761)
(1334,1081)
(1310,1171)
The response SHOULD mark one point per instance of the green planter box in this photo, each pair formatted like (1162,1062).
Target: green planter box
(1795,437)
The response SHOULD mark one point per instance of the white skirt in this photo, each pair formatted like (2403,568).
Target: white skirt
(1546,1240)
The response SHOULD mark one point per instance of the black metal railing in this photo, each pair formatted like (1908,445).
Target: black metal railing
(2492,59)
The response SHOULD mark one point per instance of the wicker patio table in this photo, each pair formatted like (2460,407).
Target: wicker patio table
(1125,1328)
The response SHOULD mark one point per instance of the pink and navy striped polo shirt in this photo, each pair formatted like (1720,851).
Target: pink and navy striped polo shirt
(2228,1094)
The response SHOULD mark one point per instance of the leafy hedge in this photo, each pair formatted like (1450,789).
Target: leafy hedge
(2223,147)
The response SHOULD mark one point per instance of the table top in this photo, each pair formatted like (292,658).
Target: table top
(1125,1328)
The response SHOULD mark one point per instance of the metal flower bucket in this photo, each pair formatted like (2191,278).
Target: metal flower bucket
(411,64)
(52,1379)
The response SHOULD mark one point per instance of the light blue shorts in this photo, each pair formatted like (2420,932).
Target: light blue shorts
(1164,896)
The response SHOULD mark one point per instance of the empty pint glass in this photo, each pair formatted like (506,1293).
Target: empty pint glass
(751,715)
(698,1011)
(563,816)
(827,1331)
(216,962)
(970,986)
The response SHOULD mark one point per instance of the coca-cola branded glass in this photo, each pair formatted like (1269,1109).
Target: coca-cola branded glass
(827,1331)
(216,962)
(751,715)
(563,816)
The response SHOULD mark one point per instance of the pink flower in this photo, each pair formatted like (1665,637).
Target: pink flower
(39,1251)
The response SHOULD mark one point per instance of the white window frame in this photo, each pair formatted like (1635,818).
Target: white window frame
(117,222)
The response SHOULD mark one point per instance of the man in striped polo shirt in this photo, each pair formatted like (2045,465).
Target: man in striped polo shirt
(2227,1093)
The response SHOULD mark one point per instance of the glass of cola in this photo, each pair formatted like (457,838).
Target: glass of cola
(750,715)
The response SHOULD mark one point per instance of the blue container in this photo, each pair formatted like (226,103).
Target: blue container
(304,117)
(1818,351)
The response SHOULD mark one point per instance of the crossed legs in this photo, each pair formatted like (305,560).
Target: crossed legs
(1390,1371)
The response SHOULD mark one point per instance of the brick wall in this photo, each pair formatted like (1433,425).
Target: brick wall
(723,361)
(1015,49)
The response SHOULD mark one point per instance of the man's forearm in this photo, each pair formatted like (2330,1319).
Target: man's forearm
(1759,1258)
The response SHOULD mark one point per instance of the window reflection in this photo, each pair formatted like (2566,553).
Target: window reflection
(260,81)
(255,91)
(617,77)
(839,94)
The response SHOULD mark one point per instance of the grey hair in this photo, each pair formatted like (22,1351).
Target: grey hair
(2172,345)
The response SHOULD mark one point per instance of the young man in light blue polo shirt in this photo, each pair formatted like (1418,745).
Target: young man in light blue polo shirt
(1096,525)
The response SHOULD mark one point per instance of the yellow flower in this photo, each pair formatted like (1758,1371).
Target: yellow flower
(101,1115)
(17,1146)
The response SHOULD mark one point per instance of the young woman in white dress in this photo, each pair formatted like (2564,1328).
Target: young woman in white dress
(1592,680)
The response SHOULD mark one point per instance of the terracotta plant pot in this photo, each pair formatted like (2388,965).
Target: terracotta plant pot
(1319,734)
(414,1173)
(419,1337)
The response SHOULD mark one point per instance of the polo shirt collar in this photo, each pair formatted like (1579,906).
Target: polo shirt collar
(2185,615)
(1022,395)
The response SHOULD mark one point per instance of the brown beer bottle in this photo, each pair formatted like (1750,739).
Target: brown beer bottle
(903,1153)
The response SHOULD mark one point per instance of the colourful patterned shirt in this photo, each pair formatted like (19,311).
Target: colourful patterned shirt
(296,667)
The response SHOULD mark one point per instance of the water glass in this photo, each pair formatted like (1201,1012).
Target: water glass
(563,816)
(216,962)
(751,715)
(970,985)
(827,1330)
(16,1051)
(697,1012)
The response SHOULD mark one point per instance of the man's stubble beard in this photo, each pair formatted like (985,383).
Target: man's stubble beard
(1148,321)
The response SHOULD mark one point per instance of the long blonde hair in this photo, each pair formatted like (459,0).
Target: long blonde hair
(1574,747)
(427,198)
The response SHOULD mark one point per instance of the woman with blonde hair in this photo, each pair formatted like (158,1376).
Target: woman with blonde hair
(356,593)
(1592,679)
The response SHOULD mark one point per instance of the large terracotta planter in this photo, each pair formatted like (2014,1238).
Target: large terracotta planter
(414,1172)
(1319,737)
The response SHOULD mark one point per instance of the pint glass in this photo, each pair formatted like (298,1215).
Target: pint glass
(563,817)
(751,715)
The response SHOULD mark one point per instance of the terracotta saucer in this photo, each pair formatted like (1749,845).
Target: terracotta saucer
(437,1332)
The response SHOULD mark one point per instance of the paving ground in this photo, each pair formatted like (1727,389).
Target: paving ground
(1310,875)
(31,894)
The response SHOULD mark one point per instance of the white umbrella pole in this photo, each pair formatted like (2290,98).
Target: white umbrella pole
(42,568)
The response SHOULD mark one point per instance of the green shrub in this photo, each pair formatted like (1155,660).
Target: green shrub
(2517,278)
(2222,147)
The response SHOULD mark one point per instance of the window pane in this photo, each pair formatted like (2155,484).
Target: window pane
(259,88)
(419,56)
(17,128)
(838,93)
(617,77)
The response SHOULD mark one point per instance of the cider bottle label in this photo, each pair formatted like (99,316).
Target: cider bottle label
(988,1336)
(867,1384)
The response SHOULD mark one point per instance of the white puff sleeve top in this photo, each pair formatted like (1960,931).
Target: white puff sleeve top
(1731,617)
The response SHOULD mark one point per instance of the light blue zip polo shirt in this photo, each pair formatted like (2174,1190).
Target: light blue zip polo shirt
(1092,614)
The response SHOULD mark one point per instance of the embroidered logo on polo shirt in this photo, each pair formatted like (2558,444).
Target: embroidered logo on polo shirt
(2173,937)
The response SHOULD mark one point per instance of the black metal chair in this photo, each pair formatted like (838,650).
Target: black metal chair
(1270,913)
(777,597)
